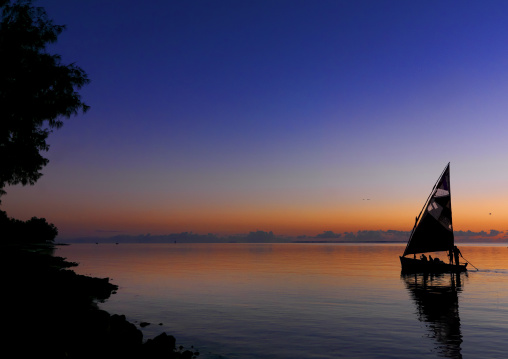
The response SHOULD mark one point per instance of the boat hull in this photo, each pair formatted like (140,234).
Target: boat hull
(412,265)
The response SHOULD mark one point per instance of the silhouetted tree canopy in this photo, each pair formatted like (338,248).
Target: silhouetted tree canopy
(35,230)
(36,90)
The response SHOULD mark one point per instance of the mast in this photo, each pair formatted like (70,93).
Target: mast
(450,190)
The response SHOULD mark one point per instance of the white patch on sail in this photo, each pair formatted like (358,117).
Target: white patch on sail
(441,193)
(435,209)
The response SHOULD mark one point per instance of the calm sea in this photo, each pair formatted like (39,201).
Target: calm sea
(305,300)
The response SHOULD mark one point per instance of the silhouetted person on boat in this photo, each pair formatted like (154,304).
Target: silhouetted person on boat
(456,253)
(430,258)
(423,257)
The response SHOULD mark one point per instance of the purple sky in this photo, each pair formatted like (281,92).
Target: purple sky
(227,116)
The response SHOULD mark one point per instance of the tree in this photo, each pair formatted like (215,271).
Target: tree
(35,230)
(36,90)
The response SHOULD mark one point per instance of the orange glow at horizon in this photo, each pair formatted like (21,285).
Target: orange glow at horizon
(292,222)
(284,216)
(280,220)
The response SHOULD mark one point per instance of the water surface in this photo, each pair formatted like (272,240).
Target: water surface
(305,300)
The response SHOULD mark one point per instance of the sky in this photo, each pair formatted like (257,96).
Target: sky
(288,116)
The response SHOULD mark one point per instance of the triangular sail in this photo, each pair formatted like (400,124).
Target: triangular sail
(434,231)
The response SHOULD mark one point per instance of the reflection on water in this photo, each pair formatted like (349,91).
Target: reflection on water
(437,303)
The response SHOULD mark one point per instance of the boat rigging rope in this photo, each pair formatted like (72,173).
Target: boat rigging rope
(469,262)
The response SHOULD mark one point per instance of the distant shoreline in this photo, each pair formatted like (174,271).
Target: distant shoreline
(99,241)
(364,236)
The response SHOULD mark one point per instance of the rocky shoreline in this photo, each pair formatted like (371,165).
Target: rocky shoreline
(51,311)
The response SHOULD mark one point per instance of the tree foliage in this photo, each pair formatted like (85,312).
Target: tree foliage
(34,230)
(36,90)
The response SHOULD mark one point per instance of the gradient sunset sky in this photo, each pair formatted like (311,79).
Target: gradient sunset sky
(287,116)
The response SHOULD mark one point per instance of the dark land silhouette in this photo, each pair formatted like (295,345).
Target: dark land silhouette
(52,312)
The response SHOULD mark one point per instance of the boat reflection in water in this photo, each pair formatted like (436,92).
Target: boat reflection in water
(437,304)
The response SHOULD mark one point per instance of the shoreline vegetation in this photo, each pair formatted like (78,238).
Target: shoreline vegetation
(53,312)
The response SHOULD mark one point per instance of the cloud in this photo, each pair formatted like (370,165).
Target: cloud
(269,237)
(402,236)
(328,234)
(378,236)
(260,236)
(481,234)
(494,233)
